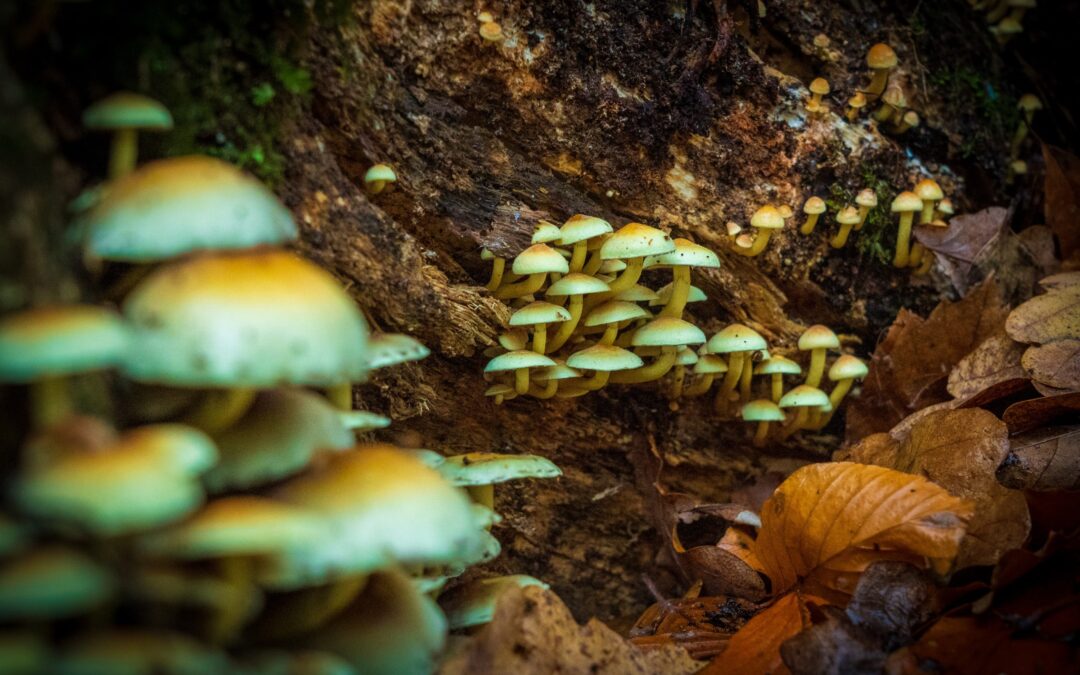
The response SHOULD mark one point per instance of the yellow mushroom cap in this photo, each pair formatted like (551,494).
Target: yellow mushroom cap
(580,227)
(540,259)
(894,96)
(819,85)
(604,358)
(635,240)
(818,337)
(546,232)
(710,364)
(814,205)
(762,410)
(485,17)
(847,367)
(945,206)
(576,283)
(515,360)
(804,396)
(686,357)
(667,331)
(695,294)
(767,217)
(559,371)
(905,202)
(857,100)
(848,215)
(736,338)
(928,190)
(539,312)
(60,340)
(380,172)
(500,389)
(778,365)
(866,197)
(491,31)
(881,56)
(614,311)
(911,118)
(637,293)
(1008,26)
(686,254)
(1019,166)
(744,240)
(1029,103)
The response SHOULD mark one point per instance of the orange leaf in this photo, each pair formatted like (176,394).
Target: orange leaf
(827,522)
(755,649)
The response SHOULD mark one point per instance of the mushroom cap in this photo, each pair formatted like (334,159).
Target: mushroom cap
(138,651)
(614,311)
(246,319)
(785,211)
(380,173)
(1018,166)
(514,340)
(1008,26)
(928,190)
(522,358)
(580,227)
(539,259)
(667,331)
(894,96)
(127,110)
(767,217)
(881,56)
(736,338)
(278,436)
(762,410)
(538,312)
(813,106)
(499,389)
(945,206)
(489,468)
(686,357)
(686,254)
(819,85)
(911,118)
(804,396)
(170,207)
(485,17)
(486,254)
(906,202)
(604,358)
(473,604)
(1029,103)
(818,337)
(559,371)
(491,31)
(635,240)
(866,197)
(695,294)
(377,504)
(848,215)
(61,340)
(546,232)
(814,205)
(52,583)
(710,364)
(612,266)
(847,367)
(145,478)
(390,349)
(575,283)
(778,365)
(744,240)
(857,100)
(236,526)
(637,293)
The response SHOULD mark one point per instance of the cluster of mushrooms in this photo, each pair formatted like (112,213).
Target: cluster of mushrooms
(225,519)
(593,329)
(893,109)
(1005,16)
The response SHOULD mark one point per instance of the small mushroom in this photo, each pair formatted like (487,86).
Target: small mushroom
(819,87)
(603,360)
(378,177)
(847,218)
(764,221)
(632,243)
(1006,29)
(855,104)
(930,193)
(52,583)
(538,315)
(906,204)
(813,208)
(707,368)
(491,31)
(867,200)
(881,59)
(500,392)
(909,120)
(535,264)
(817,340)
(545,232)
(125,114)
(844,371)
(687,254)
(944,209)
(685,357)
(577,231)
(390,349)
(740,342)
(804,397)
(610,314)
(479,472)
(667,333)
(776,367)
(519,362)
(892,102)
(1028,105)
(575,285)
(498,269)
(550,378)
(763,412)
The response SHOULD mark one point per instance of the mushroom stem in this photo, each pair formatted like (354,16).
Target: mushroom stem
(811,222)
(566,328)
(521,381)
(545,392)
(746,379)
(627,278)
(735,367)
(699,387)
(540,339)
(817,367)
(230,618)
(594,263)
(680,291)
(577,259)
(677,385)
(498,268)
(761,434)
(50,401)
(482,494)
(760,241)
(864,211)
(842,236)
(839,392)
(916,255)
(528,286)
(219,409)
(903,238)
(777,387)
(924,268)
(340,395)
(597,381)
(653,371)
(877,83)
(125,150)
(927,213)
(610,333)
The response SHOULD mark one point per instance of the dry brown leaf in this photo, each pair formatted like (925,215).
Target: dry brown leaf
(994,361)
(960,450)
(910,367)
(1039,412)
(756,647)
(1044,459)
(1062,208)
(969,238)
(1038,242)
(879,449)
(1060,279)
(828,522)
(1056,364)
(1054,315)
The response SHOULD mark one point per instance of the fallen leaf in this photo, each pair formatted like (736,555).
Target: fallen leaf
(700,538)
(910,367)
(1054,315)
(994,361)
(756,647)
(741,545)
(1043,459)
(1055,365)
(827,522)
(1048,391)
(960,450)
(1062,205)
(1040,412)
(722,572)
(879,449)
(1038,242)
(1061,279)
(965,240)
(892,600)
(833,645)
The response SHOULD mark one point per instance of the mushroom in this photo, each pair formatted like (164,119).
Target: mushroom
(906,204)
(577,231)
(498,269)
(1006,29)
(843,372)
(633,243)
(927,257)
(500,392)
(785,211)
(550,378)
(538,315)
(545,232)
(491,31)
(856,103)
(866,200)
(390,349)
(51,583)
(43,347)
(892,102)
(519,362)
(685,357)
(479,472)
(744,242)
(909,120)
(817,340)
(473,603)
(1028,105)
(172,207)
(637,293)
(776,367)
(687,254)
(667,333)
(612,313)
(930,193)
(804,397)
(944,209)
(765,220)
(813,208)
(847,218)
(575,285)
(707,368)
(881,59)
(535,264)
(603,360)
(740,342)
(663,295)
(763,412)
(818,88)
(378,177)
(125,114)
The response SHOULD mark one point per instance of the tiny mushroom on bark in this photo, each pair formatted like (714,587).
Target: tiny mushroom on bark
(612,313)
(813,208)
(378,177)
(500,392)
(908,121)
(906,204)
(538,315)
(817,340)
(804,397)
(847,218)
(550,377)
(707,368)
(519,362)
(687,254)
(892,102)
(765,220)
(866,199)
(479,472)
(944,209)
(930,193)
(855,104)
(776,367)
(740,342)
(685,357)
(498,268)
(819,87)
(669,334)
(491,31)
(125,114)
(881,58)
(535,264)
(763,412)
(843,372)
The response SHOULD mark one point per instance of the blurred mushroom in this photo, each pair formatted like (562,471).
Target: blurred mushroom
(813,208)
(378,177)
(125,114)
(763,412)
(881,59)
